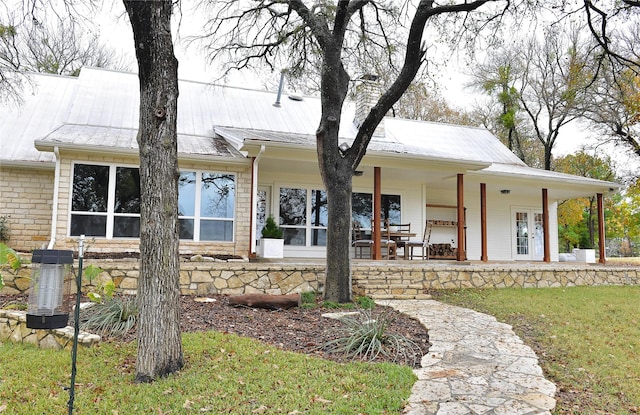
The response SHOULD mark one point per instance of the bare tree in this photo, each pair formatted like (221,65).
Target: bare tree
(613,104)
(63,48)
(11,80)
(334,32)
(556,74)
(600,17)
(420,102)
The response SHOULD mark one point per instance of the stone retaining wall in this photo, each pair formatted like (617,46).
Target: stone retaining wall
(13,328)
(381,279)
(417,281)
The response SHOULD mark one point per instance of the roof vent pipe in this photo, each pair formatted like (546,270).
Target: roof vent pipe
(277,103)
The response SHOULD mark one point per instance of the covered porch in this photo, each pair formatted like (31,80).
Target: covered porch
(484,211)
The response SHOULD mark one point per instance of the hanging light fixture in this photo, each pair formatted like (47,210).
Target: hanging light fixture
(47,309)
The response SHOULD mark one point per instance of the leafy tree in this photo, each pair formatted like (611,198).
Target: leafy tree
(572,213)
(556,75)
(498,77)
(624,223)
(325,36)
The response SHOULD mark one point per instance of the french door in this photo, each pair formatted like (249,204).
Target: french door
(528,234)
(263,210)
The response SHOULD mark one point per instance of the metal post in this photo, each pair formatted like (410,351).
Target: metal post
(76,325)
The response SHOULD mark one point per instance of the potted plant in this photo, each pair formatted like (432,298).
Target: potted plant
(272,242)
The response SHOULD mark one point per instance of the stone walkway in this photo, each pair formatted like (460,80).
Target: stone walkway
(476,365)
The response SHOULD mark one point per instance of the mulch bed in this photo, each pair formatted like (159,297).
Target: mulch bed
(302,330)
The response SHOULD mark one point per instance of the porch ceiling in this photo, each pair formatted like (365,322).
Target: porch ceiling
(526,181)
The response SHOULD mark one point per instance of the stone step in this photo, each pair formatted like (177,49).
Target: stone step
(400,296)
(394,286)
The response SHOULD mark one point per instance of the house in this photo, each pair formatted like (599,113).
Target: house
(69,166)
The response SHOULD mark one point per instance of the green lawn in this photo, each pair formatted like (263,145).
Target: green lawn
(624,261)
(587,339)
(224,374)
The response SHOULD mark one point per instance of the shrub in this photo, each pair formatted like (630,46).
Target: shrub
(365,336)
(271,230)
(10,257)
(365,302)
(4,229)
(308,299)
(115,316)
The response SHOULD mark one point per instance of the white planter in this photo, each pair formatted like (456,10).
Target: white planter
(271,248)
(585,255)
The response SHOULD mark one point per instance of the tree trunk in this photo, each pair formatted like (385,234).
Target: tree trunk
(336,171)
(338,267)
(159,341)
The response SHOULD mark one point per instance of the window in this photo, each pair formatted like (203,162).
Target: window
(89,200)
(303,216)
(105,202)
(206,206)
(362,208)
(126,220)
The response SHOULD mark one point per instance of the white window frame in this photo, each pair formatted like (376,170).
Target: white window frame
(308,226)
(111,194)
(197,218)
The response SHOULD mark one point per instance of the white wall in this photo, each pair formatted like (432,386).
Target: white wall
(415,194)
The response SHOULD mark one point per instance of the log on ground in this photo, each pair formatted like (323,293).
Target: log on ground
(268,301)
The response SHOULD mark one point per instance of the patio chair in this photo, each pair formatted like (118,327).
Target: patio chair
(423,245)
(401,235)
(388,246)
(359,242)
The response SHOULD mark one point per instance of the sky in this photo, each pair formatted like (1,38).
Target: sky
(116,32)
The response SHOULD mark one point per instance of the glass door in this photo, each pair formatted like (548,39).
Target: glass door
(262,210)
(528,242)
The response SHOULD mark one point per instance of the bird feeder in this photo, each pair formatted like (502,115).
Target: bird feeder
(46,308)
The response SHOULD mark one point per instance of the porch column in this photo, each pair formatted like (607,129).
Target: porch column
(545,225)
(252,209)
(252,203)
(377,203)
(461,224)
(483,222)
(601,238)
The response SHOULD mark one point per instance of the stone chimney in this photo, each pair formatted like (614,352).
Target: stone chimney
(368,92)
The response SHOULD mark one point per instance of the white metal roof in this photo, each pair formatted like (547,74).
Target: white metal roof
(45,105)
(99,109)
(110,100)
(123,140)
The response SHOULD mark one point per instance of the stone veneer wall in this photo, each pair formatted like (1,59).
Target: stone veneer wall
(378,280)
(26,190)
(27,200)
(13,328)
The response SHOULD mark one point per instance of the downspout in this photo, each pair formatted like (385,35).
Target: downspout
(254,198)
(54,210)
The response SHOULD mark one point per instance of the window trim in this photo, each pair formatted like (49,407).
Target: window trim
(197,217)
(111,196)
(110,213)
(308,226)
